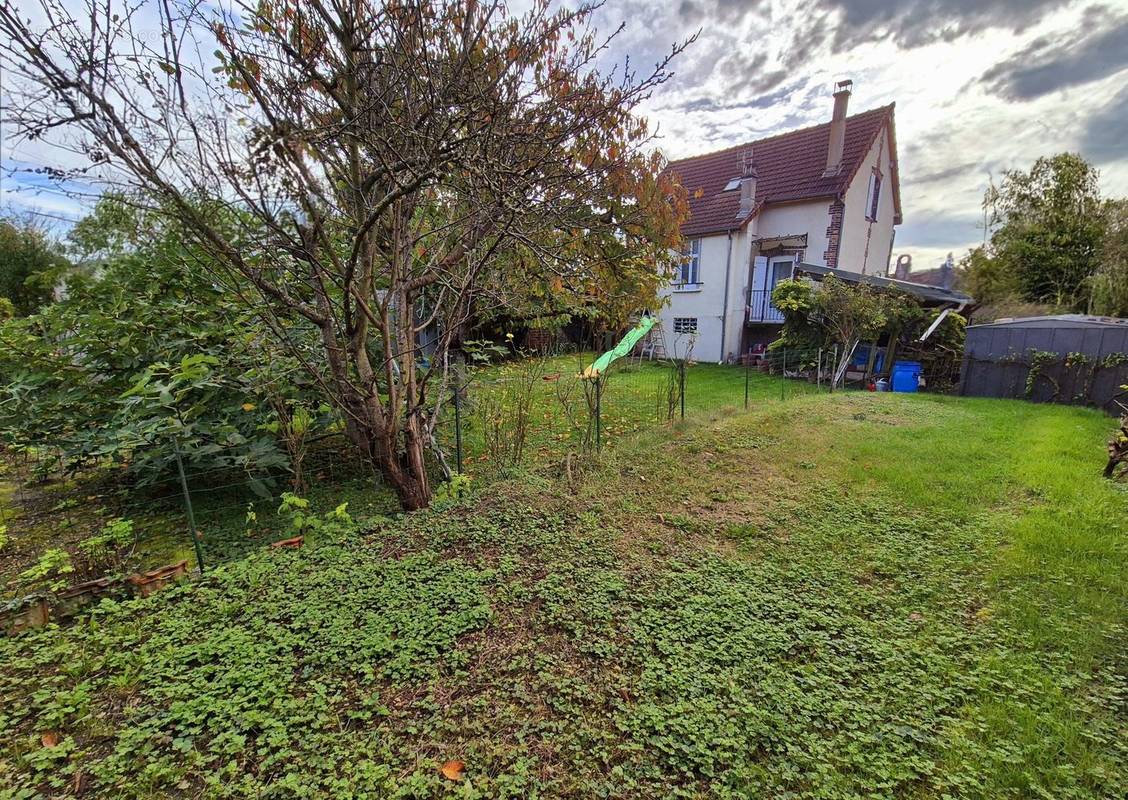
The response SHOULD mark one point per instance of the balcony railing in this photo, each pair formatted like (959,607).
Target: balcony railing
(761,308)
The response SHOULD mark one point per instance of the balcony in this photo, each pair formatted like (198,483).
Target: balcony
(761,308)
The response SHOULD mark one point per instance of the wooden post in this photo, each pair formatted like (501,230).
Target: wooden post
(869,364)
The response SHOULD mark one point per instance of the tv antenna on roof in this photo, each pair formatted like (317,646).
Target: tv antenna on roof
(747,165)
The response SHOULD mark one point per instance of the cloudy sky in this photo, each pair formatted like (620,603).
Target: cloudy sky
(980,87)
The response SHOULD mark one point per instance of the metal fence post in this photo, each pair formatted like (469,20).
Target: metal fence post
(747,374)
(458,427)
(598,413)
(783,373)
(188,508)
(818,372)
(681,386)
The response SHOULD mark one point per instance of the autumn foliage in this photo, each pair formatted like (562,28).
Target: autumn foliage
(398,169)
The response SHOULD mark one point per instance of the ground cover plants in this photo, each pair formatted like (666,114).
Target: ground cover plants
(778,603)
(46,508)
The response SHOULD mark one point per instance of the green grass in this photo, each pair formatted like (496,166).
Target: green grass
(833,596)
(635,397)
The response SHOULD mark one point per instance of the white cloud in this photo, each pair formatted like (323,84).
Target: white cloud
(955,125)
(967,105)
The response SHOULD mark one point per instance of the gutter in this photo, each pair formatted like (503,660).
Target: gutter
(724,306)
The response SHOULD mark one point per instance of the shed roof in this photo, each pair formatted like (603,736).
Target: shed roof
(1056,321)
(790,166)
(934,294)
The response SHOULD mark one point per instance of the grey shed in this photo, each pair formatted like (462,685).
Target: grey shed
(1000,356)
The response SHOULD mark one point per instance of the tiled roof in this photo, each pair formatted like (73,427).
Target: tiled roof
(928,277)
(789,167)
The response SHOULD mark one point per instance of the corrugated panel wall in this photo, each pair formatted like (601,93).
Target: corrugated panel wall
(997,364)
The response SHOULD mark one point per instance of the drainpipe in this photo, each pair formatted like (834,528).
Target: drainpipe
(724,308)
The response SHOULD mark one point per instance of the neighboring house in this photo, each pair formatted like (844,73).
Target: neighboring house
(827,195)
(943,276)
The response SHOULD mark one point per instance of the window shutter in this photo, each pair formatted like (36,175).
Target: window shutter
(873,197)
(759,271)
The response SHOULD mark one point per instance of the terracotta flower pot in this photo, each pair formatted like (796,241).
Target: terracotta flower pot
(73,599)
(290,544)
(33,611)
(146,583)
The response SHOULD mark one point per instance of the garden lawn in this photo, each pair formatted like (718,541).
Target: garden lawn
(634,397)
(834,596)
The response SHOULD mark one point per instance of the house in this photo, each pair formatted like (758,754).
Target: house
(826,196)
(944,275)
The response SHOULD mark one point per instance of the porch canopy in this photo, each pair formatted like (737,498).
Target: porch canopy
(931,296)
(796,241)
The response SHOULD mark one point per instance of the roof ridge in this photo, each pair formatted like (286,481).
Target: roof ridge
(886,108)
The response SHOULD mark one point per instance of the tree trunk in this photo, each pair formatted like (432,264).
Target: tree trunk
(404,470)
(411,484)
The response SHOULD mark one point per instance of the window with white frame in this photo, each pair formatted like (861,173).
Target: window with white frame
(874,196)
(689,271)
(685,324)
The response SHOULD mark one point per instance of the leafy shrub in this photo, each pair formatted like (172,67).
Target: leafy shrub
(49,571)
(142,349)
(449,493)
(794,296)
(505,414)
(300,521)
(108,546)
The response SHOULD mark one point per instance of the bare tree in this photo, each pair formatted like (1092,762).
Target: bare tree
(387,162)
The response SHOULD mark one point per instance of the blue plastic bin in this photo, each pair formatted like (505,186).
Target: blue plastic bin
(861,358)
(906,376)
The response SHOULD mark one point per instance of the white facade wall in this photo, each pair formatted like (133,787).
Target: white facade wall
(811,218)
(866,246)
(706,301)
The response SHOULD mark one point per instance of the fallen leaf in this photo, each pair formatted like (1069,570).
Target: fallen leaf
(453,770)
(49,739)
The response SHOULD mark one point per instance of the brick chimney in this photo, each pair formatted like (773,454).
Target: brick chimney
(948,272)
(748,178)
(838,127)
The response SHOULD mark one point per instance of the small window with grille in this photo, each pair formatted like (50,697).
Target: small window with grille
(685,324)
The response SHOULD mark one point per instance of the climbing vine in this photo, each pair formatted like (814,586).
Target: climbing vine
(1039,364)
(1039,360)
